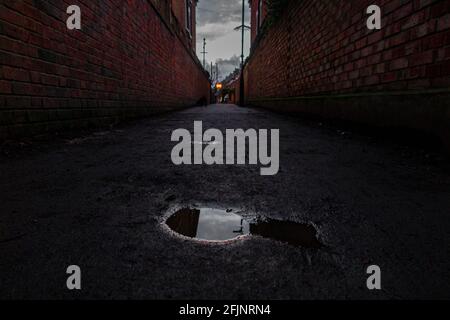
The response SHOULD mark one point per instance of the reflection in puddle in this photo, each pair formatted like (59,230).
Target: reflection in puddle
(219,225)
(208,224)
(297,234)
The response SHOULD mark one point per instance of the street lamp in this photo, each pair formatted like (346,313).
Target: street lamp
(243,28)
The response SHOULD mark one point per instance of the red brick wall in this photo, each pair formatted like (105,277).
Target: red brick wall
(178,10)
(323,48)
(130,59)
(254,22)
(194,25)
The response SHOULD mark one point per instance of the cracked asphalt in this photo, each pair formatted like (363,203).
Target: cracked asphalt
(98,201)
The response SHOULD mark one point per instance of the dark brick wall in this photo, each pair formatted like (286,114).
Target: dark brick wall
(320,58)
(254,16)
(131,59)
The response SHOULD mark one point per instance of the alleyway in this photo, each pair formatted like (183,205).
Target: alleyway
(98,201)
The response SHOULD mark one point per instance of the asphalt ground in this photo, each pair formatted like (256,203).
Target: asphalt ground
(99,201)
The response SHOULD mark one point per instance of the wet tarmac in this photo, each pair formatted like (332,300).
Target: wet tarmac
(98,200)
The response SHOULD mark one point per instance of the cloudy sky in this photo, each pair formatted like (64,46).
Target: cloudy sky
(216,20)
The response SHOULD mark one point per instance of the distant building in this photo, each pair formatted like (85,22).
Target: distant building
(230,93)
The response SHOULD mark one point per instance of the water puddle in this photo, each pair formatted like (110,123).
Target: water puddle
(297,234)
(220,225)
(208,224)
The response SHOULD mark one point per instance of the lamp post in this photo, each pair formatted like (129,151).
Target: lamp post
(241,84)
(243,28)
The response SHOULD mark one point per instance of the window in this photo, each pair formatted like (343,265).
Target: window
(189,16)
(259,15)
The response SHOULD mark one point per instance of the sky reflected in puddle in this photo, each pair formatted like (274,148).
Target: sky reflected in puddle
(220,225)
(208,224)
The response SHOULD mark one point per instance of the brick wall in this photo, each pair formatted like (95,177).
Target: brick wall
(130,59)
(320,58)
(179,10)
(254,5)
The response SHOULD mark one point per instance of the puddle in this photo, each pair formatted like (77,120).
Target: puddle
(296,234)
(208,224)
(220,225)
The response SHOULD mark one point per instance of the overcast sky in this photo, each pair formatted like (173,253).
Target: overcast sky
(216,20)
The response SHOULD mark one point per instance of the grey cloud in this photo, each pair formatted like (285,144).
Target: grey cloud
(218,17)
(218,11)
(212,31)
(227,66)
